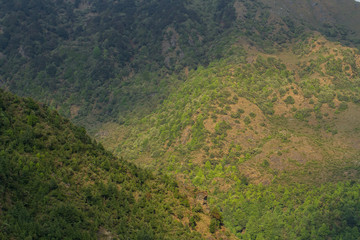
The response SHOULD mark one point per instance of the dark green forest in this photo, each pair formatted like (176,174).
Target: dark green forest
(110,58)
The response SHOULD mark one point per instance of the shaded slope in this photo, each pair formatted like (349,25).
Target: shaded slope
(97,61)
(336,19)
(101,60)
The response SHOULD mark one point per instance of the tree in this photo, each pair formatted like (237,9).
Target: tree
(289,100)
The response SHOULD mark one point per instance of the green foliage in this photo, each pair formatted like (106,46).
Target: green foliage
(198,209)
(213,225)
(303,114)
(294,212)
(247,120)
(343,106)
(198,134)
(289,100)
(97,52)
(192,222)
(221,128)
(108,58)
(215,213)
(118,60)
(326,95)
(193,123)
(238,113)
(60,184)
(216,220)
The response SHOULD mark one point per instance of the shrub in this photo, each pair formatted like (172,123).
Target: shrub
(289,100)
(247,120)
(343,106)
(213,225)
(192,222)
(221,128)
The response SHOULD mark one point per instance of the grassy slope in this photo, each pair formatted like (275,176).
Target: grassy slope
(58,183)
(282,119)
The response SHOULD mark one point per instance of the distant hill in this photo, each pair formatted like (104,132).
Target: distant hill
(335,19)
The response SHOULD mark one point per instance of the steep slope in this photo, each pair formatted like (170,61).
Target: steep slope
(286,121)
(57,183)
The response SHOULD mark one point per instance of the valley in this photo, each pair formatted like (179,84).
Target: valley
(208,119)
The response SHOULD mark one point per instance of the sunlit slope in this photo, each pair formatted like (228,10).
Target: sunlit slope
(286,109)
(286,121)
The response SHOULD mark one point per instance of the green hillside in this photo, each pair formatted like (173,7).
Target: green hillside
(239,119)
(269,136)
(57,183)
(98,61)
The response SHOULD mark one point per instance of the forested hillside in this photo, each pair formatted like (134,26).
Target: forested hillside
(273,138)
(97,61)
(94,59)
(250,106)
(101,60)
(58,183)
